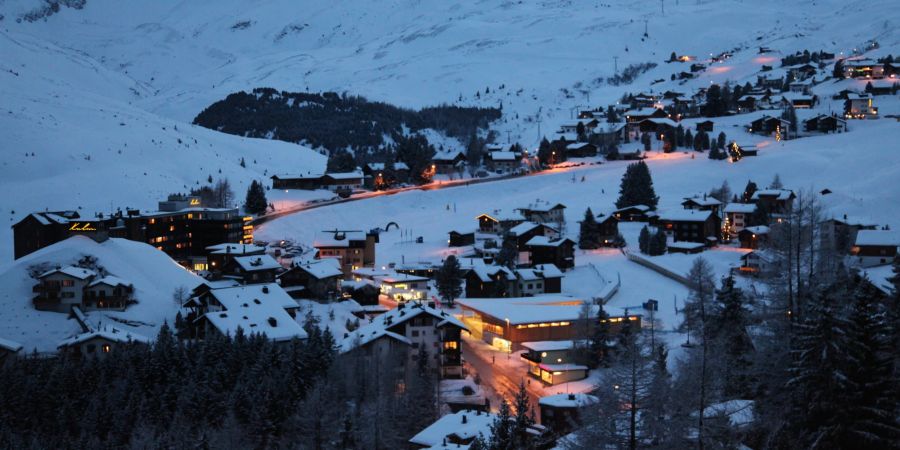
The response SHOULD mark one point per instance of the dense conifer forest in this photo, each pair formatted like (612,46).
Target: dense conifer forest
(336,121)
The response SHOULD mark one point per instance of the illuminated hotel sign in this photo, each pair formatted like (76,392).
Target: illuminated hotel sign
(195,202)
(79,226)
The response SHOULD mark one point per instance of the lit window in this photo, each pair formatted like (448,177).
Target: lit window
(451,345)
(106,348)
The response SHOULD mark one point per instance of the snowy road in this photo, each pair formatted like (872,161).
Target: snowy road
(501,380)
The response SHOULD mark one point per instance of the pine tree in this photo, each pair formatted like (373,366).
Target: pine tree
(522,421)
(644,240)
(340,161)
(688,140)
(611,115)
(449,280)
(256,202)
(872,404)
(509,252)
(601,351)
(749,190)
(658,243)
(645,140)
(776,183)
(636,187)
(730,318)
(588,234)
(819,378)
(545,153)
(502,437)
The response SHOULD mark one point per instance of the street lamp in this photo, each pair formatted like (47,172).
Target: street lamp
(508,340)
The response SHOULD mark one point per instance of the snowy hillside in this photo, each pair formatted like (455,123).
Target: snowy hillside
(102,96)
(153,274)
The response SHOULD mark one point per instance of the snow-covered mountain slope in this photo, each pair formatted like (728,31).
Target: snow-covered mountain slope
(121,75)
(153,274)
(71,139)
(186,55)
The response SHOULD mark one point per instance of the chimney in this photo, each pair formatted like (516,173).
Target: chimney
(571,396)
(464,419)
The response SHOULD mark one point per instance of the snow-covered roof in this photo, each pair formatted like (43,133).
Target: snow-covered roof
(463,424)
(662,121)
(562,367)
(344,175)
(294,176)
(504,215)
(503,156)
(643,208)
(641,111)
(108,333)
(73,271)
(685,215)
(764,255)
(855,221)
(254,263)
(484,271)
(399,165)
(548,346)
(685,245)
(321,268)
(549,270)
(400,278)
(857,96)
(448,155)
(877,238)
(744,208)
(233,297)
(110,280)
(524,310)
(739,412)
(779,194)
(758,229)
(544,241)
(372,272)
(234,249)
(528,275)
(382,324)
(257,309)
(523,228)
(702,201)
(568,400)
(880,277)
(11,346)
(330,239)
(542,206)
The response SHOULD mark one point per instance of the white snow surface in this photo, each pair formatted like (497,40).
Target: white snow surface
(153,274)
(113,80)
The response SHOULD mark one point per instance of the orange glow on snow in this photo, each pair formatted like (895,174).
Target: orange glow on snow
(764,59)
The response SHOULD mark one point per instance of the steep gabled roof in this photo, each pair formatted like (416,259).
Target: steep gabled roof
(108,333)
(72,271)
(384,324)
(256,263)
